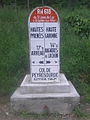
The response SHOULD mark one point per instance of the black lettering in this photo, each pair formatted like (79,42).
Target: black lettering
(44,74)
(52,55)
(51,50)
(36,35)
(50,29)
(38,53)
(51,35)
(37,29)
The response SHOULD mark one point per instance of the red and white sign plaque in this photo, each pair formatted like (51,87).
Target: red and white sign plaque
(44,40)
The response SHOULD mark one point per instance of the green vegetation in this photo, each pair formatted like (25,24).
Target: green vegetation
(80,25)
(79,113)
(75,52)
(75,48)
(37,116)
(34,3)
(13,48)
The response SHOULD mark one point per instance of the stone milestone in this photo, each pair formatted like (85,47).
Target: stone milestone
(45,89)
(43,24)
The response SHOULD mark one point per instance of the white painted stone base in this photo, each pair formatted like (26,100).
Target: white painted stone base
(42,98)
(57,87)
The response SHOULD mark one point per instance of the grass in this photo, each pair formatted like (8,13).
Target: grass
(79,113)
(40,116)
(14,60)
(13,48)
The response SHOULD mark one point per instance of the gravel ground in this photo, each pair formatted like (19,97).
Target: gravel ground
(6,113)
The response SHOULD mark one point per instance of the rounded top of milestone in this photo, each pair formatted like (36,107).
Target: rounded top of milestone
(43,14)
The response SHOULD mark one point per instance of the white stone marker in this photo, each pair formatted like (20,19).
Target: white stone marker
(45,89)
(43,25)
